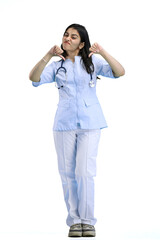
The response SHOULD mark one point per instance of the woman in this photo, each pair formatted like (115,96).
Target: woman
(78,120)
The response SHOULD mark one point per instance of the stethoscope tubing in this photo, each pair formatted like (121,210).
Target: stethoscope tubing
(91,83)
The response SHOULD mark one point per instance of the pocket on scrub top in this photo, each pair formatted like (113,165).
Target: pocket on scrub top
(64,104)
(90,101)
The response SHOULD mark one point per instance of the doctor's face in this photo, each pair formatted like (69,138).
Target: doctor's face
(71,41)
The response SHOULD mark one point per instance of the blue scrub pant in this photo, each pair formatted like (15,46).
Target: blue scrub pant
(76,152)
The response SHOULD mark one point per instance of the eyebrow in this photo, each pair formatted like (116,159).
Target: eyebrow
(74,34)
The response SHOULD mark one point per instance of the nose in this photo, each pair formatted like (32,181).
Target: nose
(67,38)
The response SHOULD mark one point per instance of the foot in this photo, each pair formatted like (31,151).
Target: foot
(88,230)
(75,230)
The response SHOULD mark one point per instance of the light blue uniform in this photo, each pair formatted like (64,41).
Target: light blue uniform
(78,103)
(77,125)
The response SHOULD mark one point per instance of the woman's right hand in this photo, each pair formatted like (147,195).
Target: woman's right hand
(56,51)
(38,68)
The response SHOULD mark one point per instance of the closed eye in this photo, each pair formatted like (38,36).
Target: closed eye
(73,36)
(66,34)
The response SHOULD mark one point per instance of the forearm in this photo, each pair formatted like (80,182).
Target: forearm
(117,68)
(38,68)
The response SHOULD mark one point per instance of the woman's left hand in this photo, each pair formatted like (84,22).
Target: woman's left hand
(95,48)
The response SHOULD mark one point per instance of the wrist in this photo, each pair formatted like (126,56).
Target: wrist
(47,57)
(102,51)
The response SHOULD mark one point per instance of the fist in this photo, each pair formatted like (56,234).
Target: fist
(95,48)
(56,51)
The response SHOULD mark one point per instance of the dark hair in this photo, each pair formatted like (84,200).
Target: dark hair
(84,52)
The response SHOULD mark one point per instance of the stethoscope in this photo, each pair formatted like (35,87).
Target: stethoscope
(63,69)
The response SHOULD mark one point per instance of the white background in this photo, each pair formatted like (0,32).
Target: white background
(128,169)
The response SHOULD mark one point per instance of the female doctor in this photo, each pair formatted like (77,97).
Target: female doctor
(78,120)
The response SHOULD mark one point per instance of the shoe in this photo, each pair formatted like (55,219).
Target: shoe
(88,230)
(75,230)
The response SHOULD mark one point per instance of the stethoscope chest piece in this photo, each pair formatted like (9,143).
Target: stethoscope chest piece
(62,70)
(91,83)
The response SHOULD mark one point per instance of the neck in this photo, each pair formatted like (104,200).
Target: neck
(71,55)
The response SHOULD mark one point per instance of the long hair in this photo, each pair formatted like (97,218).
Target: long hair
(84,52)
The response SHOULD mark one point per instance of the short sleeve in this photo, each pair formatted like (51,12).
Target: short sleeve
(47,75)
(102,67)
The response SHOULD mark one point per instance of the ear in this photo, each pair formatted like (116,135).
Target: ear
(81,45)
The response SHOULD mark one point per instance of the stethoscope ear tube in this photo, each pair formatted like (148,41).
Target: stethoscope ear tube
(91,82)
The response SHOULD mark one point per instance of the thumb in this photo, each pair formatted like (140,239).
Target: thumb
(90,54)
(61,57)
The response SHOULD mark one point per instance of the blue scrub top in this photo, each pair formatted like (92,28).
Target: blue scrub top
(78,105)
